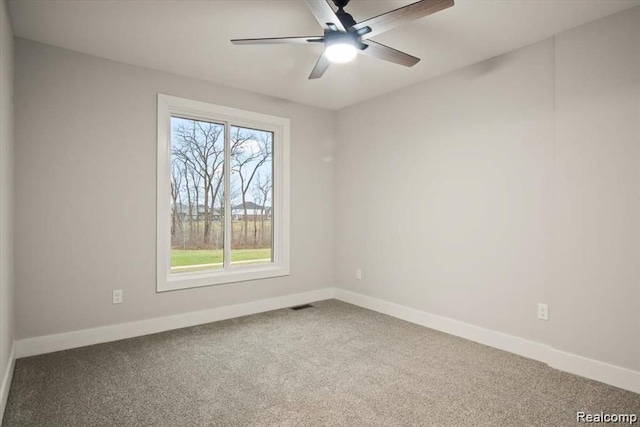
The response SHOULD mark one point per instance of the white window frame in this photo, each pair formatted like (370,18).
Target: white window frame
(169,106)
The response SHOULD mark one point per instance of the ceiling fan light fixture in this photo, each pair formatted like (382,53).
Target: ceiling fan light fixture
(340,47)
(341,52)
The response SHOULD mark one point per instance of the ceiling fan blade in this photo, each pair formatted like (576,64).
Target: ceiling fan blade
(280,40)
(325,14)
(321,66)
(387,53)
(390,20)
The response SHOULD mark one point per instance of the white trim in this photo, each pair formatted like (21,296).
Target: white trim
(510,343)
(557,359)
(6,381)
(236,273)
(220,264)
(165,280)
(50,343)
(595,370)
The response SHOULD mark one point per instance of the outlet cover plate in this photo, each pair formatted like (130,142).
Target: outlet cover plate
(543,311)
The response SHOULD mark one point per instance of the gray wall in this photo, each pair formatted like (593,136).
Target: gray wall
(85,191)
(596,287)
(474,195)
(6,191)
(446,191)
(515,181)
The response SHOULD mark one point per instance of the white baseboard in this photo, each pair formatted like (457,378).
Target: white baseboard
(520,346)
(6,382)
(574,364)
(571,363)
(595,370)
(50,343)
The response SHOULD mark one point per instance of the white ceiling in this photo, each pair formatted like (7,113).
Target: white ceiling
(191,38)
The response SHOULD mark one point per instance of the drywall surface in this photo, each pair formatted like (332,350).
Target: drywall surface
(86,192)
(473,197)
(6,192)
(596,288)
(445,189)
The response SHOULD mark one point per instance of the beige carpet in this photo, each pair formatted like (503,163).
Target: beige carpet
(331,365)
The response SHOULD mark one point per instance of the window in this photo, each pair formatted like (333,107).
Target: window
(223,195)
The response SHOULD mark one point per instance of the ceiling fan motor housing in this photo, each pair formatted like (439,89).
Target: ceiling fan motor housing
(334,37)
(346,18)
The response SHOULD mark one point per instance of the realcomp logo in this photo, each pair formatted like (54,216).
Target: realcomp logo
(602,417)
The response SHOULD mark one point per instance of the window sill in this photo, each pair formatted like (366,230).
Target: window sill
(179,281)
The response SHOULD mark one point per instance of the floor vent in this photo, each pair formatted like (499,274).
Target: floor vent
(300,307)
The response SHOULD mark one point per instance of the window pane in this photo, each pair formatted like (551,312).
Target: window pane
(251,196)
(197,195)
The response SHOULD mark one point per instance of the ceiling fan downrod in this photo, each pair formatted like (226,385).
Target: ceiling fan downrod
(344,17)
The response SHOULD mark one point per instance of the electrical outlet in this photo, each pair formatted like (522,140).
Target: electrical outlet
(359,274)
(543,311)
(117,296)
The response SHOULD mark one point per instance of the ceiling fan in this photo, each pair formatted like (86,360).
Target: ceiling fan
(344,37)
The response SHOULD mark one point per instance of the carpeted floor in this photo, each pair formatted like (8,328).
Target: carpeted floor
(330,365)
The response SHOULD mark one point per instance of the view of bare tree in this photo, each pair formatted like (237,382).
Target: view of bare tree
(197,185)
(261,194)
(250,150)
